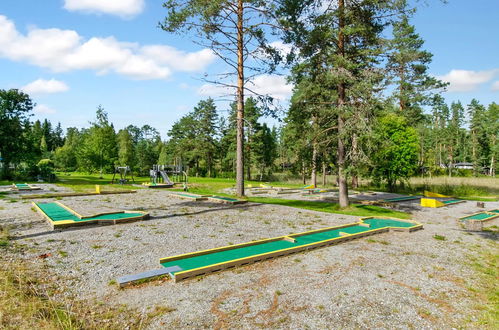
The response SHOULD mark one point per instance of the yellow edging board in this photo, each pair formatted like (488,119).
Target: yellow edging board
(432,194)
(430,202)
(178,276)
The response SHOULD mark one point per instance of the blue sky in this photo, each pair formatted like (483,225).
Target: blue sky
(72,55)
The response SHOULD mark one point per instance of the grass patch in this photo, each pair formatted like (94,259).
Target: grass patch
(487,289)
(28,302)
(439,237)
(4,237)
(353,209)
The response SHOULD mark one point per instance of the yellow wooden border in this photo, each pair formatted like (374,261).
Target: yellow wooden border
(493,214)
(196,271)
(69,223)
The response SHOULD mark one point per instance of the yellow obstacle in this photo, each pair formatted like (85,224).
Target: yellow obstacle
(97,189)
(309,186)
(432,194)
(263,185)
(429,202)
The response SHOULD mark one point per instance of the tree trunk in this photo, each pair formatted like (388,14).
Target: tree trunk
(303,171)
(324,169)
(451,160)
(240,103)
(313,176)
(342,181)
(248,165)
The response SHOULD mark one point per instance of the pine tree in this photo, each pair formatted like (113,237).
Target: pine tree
(409,63)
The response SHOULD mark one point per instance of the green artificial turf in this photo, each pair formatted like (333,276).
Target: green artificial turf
(216,257)
(58,213)
(400,199)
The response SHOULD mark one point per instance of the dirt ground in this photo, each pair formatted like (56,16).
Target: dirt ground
(392,280)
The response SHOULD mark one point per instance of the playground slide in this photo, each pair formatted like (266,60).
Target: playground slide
(166,179)
(208,261)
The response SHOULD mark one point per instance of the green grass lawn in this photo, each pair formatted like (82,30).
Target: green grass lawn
(329,207)
(83,182)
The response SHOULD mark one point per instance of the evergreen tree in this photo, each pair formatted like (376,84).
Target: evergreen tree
(409,63)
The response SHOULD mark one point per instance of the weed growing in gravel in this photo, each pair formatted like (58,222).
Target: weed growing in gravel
(63,254)
(96,246)
(112,282)
(439,237)
(12,200)
(4,237)
(33,209)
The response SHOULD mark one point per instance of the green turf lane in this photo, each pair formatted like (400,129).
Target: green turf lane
(58,213)
(216,257)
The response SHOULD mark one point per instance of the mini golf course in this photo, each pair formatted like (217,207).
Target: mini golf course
(196,197)
(430,202)
(186,195)
(24,186)
(198,263)
(60,216)
(401,199)
(482,216)
(226,200)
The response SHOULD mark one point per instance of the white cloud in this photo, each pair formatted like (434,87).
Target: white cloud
(65,50)
(467,80)
(41,86)
(275,86)
(44,109)
(123,8)
(177,59)
(265,84)
(283,48)
(495,86)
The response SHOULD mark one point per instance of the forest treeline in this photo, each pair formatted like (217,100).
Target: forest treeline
(204,142)
(363,104)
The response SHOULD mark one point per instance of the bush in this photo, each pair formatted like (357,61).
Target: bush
(46,168)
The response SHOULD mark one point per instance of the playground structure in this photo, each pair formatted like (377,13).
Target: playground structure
(24,187)
(123,172)
(481,216)
(59,215)
(166,176)
(430,202)
(193,264)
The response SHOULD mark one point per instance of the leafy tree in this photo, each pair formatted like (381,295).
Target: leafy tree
(66,156)
(15,108)
(478,118)
(397,150)
(125,149)
(343,40)
(206,118)
(492,129)
(99,147)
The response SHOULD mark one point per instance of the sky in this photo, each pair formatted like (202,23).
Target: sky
(71,56)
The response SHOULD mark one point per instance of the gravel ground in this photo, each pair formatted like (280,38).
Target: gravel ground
(392,280)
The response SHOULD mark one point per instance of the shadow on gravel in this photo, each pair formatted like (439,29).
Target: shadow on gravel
(490,235)
(212,207)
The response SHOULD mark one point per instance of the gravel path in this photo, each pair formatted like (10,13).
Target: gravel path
(393,280)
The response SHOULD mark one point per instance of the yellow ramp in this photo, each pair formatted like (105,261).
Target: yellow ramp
(432,194)
(429,202)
